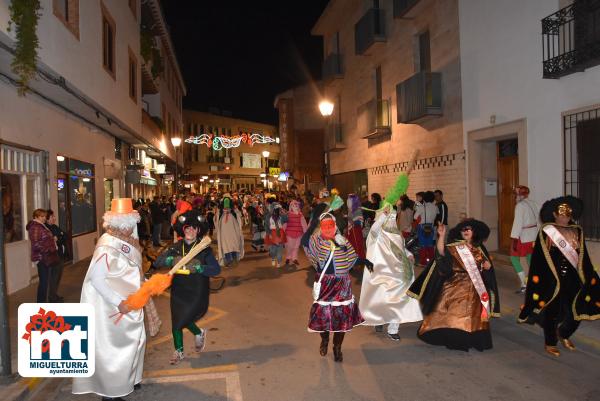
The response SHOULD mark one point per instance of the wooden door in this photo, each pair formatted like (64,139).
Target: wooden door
(508,179)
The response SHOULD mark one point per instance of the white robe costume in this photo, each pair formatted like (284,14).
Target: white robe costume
(230,237)
(383,296)
(113,274)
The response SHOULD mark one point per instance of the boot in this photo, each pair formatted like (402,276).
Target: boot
(324,343)
(338,339)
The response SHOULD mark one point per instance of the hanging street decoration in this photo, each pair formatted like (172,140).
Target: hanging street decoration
(227,142)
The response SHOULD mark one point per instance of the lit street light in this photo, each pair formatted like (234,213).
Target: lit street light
(326,109)
(266,154)
(176,141)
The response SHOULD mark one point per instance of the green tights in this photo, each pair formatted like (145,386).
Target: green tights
(516,262)
(178,335)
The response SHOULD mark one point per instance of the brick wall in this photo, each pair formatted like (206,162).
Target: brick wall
(444,172)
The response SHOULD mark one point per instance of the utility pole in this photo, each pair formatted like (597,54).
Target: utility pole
(5,361)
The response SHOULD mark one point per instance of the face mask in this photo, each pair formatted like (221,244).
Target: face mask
(328,229)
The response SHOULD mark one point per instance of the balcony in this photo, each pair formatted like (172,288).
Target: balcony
(420,97)
(403,7)
(377,113)
(335,138)
(571,39)
(370,29)
(332,67)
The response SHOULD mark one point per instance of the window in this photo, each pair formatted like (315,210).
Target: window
(132,76)
(67,11)
(77,184)
(424,52)
(108,42)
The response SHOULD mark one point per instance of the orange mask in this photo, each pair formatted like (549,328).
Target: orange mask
(328,228)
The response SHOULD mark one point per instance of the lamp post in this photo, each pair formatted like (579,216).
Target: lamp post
(266,154)
(176,141)
(326,109)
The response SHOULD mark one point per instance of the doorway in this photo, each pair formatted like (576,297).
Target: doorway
(508,179)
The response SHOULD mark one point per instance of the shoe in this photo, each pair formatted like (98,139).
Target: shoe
(137,386)
(176,358)
(254,247)
(337,353)
(552,350)
(273,263)
(379,329)
(113,399)
(521,290)
(200,340)
(323,347)
(394,337)
(296,262)
(568,344)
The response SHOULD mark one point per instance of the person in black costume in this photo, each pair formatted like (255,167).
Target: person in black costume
(190,287)
(562,288)
(457,290)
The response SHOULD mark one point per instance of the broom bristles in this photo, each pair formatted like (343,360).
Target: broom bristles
(156,285)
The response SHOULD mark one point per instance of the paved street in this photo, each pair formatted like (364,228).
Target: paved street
(258,349)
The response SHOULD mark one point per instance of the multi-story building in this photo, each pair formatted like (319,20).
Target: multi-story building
(66,143)
(531,106)
(392,71)
(301,130)
(233,163)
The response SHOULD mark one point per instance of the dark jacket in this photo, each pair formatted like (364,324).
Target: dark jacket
(42,240)
(61,240)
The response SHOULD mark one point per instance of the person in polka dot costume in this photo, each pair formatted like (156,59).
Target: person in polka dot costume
(563,287)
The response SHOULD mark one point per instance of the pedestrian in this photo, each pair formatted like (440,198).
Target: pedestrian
(383,298)
(523,233)
(277,236)
(257,227)
(190,288)
(60,237)
(144,224)
(157,213)
(563,287)
(405,215)
(114,273)
(334,309)
(230,237)
(442,215)
(296,227)
(425,216)
(44,253)
(457,291)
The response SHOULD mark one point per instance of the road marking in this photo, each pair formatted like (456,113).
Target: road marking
(188,371)
(232,382)
(217,314)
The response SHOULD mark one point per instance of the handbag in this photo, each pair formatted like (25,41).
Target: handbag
(317,285)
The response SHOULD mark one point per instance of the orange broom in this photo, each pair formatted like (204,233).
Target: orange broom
(158,283)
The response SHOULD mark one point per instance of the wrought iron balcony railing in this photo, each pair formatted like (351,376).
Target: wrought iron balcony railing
(378,118)
(419,97)
(369,30)
(571,39)
(332,67)
(402,7)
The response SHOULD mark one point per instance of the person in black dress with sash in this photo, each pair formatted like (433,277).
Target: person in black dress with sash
(190,287)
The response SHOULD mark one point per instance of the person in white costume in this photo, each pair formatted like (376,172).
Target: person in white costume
(524,232)
(383,296)
(115,273)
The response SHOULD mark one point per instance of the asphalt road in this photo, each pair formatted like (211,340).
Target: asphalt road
(258,349)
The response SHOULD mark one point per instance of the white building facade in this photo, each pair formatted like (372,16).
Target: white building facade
(531,105)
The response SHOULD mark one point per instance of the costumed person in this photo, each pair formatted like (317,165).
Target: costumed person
(257,228)
(230,237)
(425,215)
(524,232)
(181,207)
(277,236)
(457,291)
(296,227)
(313,223)
(563,288)
(190,286)
(114,273)
(383,298)
(334,309)
(355,225)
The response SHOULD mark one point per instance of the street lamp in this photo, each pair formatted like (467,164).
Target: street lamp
(266,154)
(326,109)
(176,141)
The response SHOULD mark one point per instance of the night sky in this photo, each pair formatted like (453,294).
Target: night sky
(238,55)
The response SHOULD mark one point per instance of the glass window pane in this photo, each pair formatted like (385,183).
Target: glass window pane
(81,168)
(31,196)
(83,207)
(11,207)
(62,203)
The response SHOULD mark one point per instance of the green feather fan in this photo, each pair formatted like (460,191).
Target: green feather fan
(395,192)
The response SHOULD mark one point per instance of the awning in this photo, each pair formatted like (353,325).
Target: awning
(147,181)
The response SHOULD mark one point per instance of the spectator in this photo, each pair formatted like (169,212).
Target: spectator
(158,215)
(63,252)
(442,216)
(426,215)
(44,252)
(405,215)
